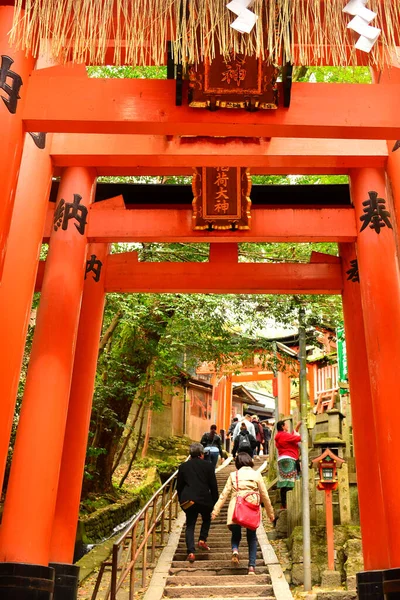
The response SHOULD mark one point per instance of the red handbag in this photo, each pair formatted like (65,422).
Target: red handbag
(246,513)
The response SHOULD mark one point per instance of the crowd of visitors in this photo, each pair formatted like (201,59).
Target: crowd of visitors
(245,488)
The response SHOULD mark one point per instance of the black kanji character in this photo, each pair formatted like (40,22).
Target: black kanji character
(353,274)
(70,210)
(39,139)
(11,90)
(95,265)
(376,215)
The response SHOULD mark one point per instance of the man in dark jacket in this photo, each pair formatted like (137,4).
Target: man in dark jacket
(197,492)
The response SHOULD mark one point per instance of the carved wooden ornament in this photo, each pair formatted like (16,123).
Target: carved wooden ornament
(235,81)
(221,198)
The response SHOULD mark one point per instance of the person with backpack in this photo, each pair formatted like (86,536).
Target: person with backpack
(259,434)
(212,445)
(244,442)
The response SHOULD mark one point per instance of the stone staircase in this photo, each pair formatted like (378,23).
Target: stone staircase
(212,575)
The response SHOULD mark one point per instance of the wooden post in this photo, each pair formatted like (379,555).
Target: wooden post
(15,68)
(19,276)
(380,297)
(329,529)
(32,490)
(79,408)
(369,483)
(283,393)
(228,403)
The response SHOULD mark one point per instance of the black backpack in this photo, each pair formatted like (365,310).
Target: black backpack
(244,444)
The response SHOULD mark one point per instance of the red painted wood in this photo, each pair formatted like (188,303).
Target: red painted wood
(133,154)
(19,276)
(32,490)
(79,411)
(380,297)
(11,128)
(175,225)
(143,106)
(369,484)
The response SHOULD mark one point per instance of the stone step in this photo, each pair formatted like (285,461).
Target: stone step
(209,565)
(251,589)
(217,543)
(201,569)
(214,556)
(218,580)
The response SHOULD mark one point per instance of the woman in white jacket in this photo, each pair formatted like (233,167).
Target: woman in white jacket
(243,481)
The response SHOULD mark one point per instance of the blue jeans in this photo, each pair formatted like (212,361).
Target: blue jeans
(251,542)
(213,458)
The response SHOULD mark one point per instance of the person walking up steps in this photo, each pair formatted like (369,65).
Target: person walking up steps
(244,442)
(197,493)
(242,481)
(212,445)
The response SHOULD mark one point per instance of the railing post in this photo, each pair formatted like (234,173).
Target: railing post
(114,572)
(163,517)
(144,558)
(170,507)
(133,560)
(176,503)
(153,536)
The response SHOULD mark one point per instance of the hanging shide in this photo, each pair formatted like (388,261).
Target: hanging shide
(309,31)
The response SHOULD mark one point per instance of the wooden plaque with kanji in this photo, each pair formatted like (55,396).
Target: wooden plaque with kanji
(235,81)
(221,198)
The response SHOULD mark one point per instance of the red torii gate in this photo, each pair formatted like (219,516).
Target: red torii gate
(42,502)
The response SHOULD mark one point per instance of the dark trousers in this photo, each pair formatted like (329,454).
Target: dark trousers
(191,517)
(258,448)
(265,446)
(251,542)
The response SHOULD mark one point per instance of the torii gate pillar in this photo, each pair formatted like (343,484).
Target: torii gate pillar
(15,68)
(19,276)
(374,532)
(380,297)
(32,491)
(78,421)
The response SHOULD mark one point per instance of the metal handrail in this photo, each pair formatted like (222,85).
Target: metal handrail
(135,540)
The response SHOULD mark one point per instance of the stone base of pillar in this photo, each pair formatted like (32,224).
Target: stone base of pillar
(370,585)
(66,581)
(19,581)
(391,584)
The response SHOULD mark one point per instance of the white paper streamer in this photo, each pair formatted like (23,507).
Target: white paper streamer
(245,18)
(362,17)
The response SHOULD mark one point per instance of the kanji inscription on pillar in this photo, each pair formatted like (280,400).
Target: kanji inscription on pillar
(65,211)
(221,198)
(234,81)
(39,139)
(353,274)
(375,213)
(10,83)
(94,265)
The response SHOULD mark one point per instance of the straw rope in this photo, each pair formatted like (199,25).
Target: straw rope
(308,31)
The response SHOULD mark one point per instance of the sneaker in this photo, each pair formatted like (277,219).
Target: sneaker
(251,571)
(203,546)
(235,558)
(191,557)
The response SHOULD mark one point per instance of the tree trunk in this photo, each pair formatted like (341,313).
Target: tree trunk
(109,331)
(121,483)
(128,436)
